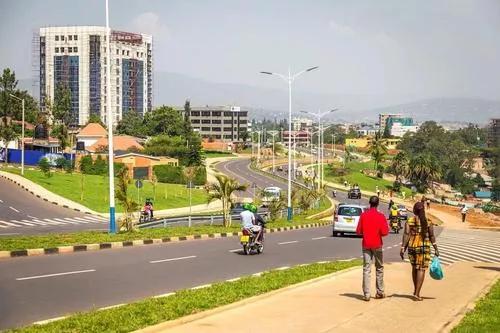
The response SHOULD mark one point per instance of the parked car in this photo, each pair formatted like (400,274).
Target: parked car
(354,193)
(403,212)
(346,218)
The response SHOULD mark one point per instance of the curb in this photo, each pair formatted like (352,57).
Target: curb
(140,242)
(161,327)
(45,199)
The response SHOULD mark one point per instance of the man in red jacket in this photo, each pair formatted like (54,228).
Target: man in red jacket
(373,226)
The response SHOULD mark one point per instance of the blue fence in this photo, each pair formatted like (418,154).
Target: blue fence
(31,157)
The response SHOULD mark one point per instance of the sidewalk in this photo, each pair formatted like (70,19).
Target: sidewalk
(333,304)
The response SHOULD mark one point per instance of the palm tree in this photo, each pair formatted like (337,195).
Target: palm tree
(347,155)
(276,206)
(129,205)
(424,169)
(223,190)
(377,150)
(401,165)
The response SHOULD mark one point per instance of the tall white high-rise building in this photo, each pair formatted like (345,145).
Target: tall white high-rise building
(75,57)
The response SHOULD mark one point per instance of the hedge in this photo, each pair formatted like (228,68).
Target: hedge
(175,175)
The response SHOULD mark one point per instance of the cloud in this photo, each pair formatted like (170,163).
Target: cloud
(150,23)
(341,29)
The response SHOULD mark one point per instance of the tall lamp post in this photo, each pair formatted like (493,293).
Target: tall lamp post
(22,134)
(333,149)
(289,79)
(112,222)
(319,115)
(273,133)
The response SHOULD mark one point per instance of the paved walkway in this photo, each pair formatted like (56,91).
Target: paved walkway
(333,304)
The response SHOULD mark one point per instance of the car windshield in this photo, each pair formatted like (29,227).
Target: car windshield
(349,211)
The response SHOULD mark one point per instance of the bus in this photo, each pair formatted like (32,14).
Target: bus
(269,194)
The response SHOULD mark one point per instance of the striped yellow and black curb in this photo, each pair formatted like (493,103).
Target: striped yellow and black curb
(39,196)
(138,242)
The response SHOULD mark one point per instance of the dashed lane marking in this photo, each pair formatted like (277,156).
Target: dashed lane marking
(14,209)
(318,238)
(171,259)
(290,242)
(55,274)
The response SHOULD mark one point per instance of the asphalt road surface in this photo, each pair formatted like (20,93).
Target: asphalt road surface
(22,213)
(40,288)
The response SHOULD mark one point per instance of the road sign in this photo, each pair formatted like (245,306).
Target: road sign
(138,183)
(254,185)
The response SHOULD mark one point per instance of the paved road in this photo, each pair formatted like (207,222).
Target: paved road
(110,277)
(23,213)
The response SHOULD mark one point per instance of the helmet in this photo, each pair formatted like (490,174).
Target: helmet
(247,206)
(253,208)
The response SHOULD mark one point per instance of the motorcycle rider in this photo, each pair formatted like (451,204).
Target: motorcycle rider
(334,193)
(248,219)
(259,222)
(394,214)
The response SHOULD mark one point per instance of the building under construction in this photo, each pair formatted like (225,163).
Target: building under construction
(75,57)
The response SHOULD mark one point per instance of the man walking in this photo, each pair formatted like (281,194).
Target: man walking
(464,211)
(373,226)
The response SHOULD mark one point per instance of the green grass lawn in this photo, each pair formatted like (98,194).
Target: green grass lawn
(12,243)
(96,190)
(365,182)
(152,311)
(485,316)
(212,154)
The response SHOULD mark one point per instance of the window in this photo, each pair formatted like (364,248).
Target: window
(118,62)
(117,98)
(228,114)
(195,113)
(128,52)
(70,37)
(216,121)
(205,113)
(62,38)
(117,81)
(216,129)
(137,54)
(117,91)
(206,129)
(57,50)
(123,52)
(75,37)
(117,71)
(75,49)
(227,121)
(57,38)
(195,121)
(117,52)
(205,121)
(228,129)
(70,49)
(62,49)
(216,113)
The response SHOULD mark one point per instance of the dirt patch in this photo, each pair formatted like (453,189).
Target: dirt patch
(475,217)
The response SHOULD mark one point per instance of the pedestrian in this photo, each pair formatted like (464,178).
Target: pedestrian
(403,194)
(373,226)
(464,211)
(428,202)
(443,200)
(345,183)
(417,239)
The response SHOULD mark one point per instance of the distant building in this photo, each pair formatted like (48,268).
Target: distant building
(76,57)
(299,137)
(224,123)
(367,131)
(399,130)
(91,133)
(141,166)
(494,133)
(301,124)
(383,117)
(359,142)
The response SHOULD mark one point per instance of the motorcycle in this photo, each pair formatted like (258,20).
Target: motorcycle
(395,224)
(253,241)
(144,217)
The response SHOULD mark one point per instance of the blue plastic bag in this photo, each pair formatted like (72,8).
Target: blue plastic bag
(435,270)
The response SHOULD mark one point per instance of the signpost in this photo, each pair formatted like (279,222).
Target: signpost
(138,185)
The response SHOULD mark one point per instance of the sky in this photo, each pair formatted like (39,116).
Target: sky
(415,48)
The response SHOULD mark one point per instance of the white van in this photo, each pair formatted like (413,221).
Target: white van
(269,194)
(346,218)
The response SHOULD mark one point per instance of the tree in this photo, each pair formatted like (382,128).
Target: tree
(164,120)
(387,132)
(60,131)
(8,84)
(188,151)
(424,169)
(377,150)
(276,206)
(128,204)
(95,119)
(400,165)
(347,155)
(307,198)
(244,135)
(223,191)
(61,110)
(132,124)
(187,129)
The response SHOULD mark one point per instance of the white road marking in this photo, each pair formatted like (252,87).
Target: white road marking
(66,220)
(202,286)
(283,268)
(257,274)
(235,250)
(52,221)
(55,274)
(46,321)
(32,217)
(10,224)
(350,259)
(1,200)
(8,233)
(318,238)
(111,306)
(14,209)
(25,223)
(171,259)
(164,295)
(82,220)
(290,242)
(35,222)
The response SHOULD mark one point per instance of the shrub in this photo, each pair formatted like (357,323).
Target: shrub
(60,162)
(44,166)
(174,175)
(100,166)
(87,165)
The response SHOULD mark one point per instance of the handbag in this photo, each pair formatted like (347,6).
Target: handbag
(436,271)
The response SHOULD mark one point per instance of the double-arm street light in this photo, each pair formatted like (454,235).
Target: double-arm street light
(273,133)
(289,79)
(319,115)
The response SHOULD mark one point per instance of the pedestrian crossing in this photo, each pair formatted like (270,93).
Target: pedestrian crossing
(50,222)
(468,245)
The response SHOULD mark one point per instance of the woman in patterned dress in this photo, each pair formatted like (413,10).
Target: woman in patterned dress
(417,239)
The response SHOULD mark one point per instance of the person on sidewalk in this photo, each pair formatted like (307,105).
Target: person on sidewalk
(464,211)
(373,226)
(417,239)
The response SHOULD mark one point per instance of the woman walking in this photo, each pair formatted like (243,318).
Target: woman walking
(417,239)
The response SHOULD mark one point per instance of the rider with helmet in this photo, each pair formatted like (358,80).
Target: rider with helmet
(250,220)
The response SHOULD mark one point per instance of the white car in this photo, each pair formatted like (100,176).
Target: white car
(269,194)
(346,218)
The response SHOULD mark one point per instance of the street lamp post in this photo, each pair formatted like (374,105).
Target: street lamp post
(289,79)
(273,133)
(319,115)
(333,149)
(112,223)
(22,134)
